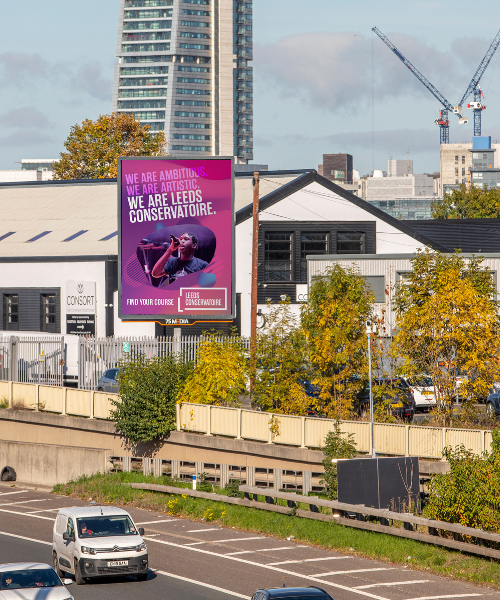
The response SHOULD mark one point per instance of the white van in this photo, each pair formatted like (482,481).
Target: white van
(98,541)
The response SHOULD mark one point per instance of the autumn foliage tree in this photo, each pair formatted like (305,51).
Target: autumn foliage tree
(448,326)
(468,203)
(334,323)
(92,148)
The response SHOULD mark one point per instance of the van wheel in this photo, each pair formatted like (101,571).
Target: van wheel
(78,576)
(55,562)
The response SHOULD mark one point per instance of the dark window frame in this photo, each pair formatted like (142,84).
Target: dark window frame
(7,312)
(362,242)
(48,313)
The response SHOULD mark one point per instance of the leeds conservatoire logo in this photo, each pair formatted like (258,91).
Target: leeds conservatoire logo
(80,288)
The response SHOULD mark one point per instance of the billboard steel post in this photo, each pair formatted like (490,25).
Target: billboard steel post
(255,268)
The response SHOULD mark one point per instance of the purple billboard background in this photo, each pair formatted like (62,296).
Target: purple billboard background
(176,194)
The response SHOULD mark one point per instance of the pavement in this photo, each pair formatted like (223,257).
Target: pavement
(197,560)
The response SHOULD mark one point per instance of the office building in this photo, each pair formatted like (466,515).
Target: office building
(337,168)
(183,68)
(32,169)
(399,168)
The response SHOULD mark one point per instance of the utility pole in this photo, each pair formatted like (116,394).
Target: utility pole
(369,330)
(255,267)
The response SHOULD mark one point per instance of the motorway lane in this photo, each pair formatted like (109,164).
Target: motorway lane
(231,560)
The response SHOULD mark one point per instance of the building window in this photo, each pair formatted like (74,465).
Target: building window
(350,242)
(48,312)
(463,160)
(278,256)
(463,172)
(11,312)
(338,174)
(456,170)
(311,243)
(456,160)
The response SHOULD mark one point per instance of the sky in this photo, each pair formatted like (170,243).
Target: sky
(323,81)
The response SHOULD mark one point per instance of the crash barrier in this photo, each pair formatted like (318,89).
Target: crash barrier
(429,531)
(59,400)
(220,474)
(302,432)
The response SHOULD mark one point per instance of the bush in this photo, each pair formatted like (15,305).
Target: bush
(470,493)
(148,390)
(337,445)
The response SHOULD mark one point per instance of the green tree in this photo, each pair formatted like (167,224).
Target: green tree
(282,363)
(334,323)
(468,203)
(447,326)
(337,445)
(220,374)
(148,391)
(94,146)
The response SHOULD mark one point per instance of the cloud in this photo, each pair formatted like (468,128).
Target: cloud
(89,79)
(333,71)
(27,117)
(21,70)
(27,138)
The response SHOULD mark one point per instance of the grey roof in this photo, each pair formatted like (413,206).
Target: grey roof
(468,235)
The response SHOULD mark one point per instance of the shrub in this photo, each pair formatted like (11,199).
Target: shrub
(337,445)
(148,390)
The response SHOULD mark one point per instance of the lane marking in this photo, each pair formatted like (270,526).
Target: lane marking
(13,512)
(322,582)
(364,587)
(194,544)
(261,550)
(231,540)
(287,562)
(207,585)
(9,493)
(22,502)
(32,512)
(353,571)
(22,537)
(203,530)
(162,521)
(452,596)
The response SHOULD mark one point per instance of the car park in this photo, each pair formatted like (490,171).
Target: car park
(292,593)
(493,404)
(98,541)
(25,581)
(395,394)
(423,392)
(108,381)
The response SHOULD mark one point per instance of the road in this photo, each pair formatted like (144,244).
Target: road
(195,560)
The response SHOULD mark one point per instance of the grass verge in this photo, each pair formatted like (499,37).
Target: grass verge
(330,536)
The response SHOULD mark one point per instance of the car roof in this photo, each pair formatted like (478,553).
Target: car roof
(293,591)
(23,566)
(93,511)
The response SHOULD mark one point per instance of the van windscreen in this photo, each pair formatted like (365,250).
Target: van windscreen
(105,526)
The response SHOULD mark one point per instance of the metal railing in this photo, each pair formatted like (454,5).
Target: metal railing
(33,359)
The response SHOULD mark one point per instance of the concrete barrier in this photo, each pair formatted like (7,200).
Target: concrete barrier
(48,464)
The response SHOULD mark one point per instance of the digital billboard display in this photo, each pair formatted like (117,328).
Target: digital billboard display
(176,238)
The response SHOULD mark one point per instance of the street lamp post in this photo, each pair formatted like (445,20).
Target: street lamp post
(370,328)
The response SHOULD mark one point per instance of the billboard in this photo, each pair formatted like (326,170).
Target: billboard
(176,238)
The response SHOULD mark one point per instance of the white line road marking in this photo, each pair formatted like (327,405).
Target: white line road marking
(364,587)
(21,537)
(9,493)
(13,512)
(203,530)
(22,502)
(322,582)
(207,585)
(353,571)
(162,521)
(452,596)
(262,550)
(232,540)
(33,512)
(287,562)
(194,544)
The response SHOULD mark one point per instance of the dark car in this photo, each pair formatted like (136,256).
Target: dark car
(108,382)
(292,593)
(493,404)
(396,394)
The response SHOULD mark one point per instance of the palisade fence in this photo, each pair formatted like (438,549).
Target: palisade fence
(33,359)
(96,355)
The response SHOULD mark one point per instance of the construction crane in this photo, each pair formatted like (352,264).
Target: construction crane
(442,120)
(474,88)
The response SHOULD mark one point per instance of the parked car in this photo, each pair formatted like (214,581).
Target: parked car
(292,593)
(493,404)
(397,394)
(98,541)
(423,392)
(108,381)
(25,581)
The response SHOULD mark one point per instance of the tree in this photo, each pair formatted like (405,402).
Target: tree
(334,323)
(447,326)
(220,375)
(337,445)
(94,146)
(148,391)
(468,203)
(282,363)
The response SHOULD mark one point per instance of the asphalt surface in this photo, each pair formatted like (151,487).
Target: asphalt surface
(194,560)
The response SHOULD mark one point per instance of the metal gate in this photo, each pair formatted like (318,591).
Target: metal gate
(33,359)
